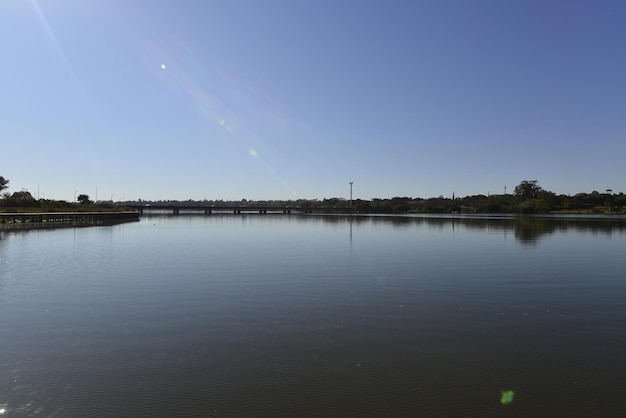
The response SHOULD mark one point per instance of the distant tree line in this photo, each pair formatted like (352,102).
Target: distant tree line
(528,197)
(23,200)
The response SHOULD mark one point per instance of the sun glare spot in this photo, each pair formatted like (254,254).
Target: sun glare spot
(163,66)
(223,124)
(507,397)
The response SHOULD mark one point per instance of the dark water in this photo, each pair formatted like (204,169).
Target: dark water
(276,315)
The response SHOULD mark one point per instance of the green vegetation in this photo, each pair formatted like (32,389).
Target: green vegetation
(528,198)
(83,199)
(4,183)
(546,202)
(23,201)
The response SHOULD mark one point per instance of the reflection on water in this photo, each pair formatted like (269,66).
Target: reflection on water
(275,315)
(526,229)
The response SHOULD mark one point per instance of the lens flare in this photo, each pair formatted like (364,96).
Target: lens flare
(507,397)
(253,153)
(56,47)
(223,123)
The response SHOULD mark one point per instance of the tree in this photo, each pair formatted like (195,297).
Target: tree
(21,199)
(4,183)
(527,189)
(83,199)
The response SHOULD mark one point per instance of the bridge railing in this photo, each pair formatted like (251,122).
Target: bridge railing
(176,209)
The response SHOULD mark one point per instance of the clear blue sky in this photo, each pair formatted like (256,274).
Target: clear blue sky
(288,99)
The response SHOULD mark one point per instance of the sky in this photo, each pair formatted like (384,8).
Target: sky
(295,99)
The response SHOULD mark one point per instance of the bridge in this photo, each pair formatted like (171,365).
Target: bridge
(236,209)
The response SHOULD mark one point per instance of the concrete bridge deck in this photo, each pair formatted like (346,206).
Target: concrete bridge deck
(176,209)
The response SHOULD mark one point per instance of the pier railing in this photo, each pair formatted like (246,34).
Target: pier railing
(55,219)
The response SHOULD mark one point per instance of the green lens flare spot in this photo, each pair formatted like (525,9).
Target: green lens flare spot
(507,397)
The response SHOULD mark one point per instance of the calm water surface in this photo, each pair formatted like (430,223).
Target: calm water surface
(276,315)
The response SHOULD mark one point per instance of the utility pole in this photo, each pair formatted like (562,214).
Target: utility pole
(351,193)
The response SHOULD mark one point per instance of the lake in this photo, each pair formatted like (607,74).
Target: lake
(304,315)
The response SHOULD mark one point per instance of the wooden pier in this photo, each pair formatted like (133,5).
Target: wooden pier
(64,219)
